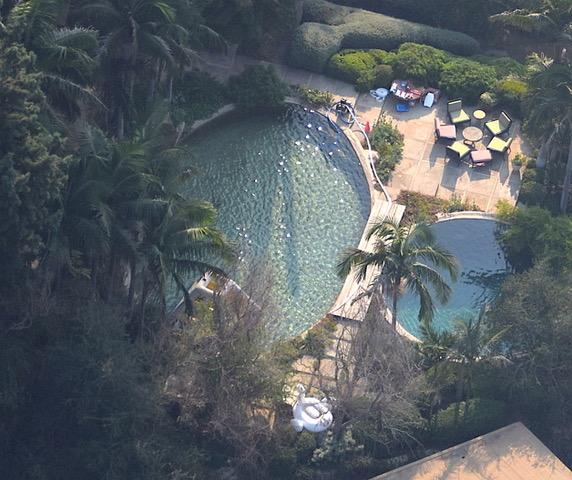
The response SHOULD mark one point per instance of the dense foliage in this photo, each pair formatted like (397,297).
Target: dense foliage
(387,141)
(32,165)
(329,28)
(100,380)
(258,86)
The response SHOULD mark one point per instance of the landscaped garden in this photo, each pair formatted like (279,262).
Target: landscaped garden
(197,154)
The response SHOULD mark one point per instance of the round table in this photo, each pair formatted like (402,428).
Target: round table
(479,115)
(472,134)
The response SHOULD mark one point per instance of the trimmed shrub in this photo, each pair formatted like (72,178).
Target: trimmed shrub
(258,86)
(510,93)
(481,416)
(467,79)
(421,62)
(349,65)
(364,68)
(330,28)
(388,142)
(504,66)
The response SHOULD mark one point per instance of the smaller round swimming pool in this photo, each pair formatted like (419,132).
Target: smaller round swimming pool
(482,268)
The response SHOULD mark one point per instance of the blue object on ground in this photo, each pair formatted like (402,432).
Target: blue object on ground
(401,107)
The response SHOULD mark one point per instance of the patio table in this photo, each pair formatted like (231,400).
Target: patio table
(472,134)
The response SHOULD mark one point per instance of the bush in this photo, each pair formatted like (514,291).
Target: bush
(349,65)
(329,28)
(315,98)
(504,210)
(365,69)
(388,142)
(258,86)
(510,93)
(421,62)
(504,66)
(283,463)
(198,95)
(481,416)
(467,79)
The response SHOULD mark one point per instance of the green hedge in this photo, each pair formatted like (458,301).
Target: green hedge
(510,93)
(421,62)
(329,28)
(364,68)
(482,416)
(258,86)
(467,79)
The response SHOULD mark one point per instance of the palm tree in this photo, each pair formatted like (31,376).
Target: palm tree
(550,114)
(65,56)
(406,257)
(471,343)
(134,32)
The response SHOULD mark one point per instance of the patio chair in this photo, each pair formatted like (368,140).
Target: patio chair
(498,145)
(499,126)
(459,150)
(456,112)
(444,132)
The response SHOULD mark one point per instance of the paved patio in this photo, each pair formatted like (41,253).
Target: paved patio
(425,169)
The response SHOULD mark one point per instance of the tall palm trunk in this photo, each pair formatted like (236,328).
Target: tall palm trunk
(567,175)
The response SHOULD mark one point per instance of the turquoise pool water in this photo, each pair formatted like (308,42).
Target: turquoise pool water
(289,190)
(482,268)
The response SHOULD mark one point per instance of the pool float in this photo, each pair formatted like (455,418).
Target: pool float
(310,413)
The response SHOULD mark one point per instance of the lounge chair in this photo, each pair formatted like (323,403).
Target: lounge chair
(500,126)
(459,150)
(480,158)
(498,145)
(445,132)
(456,112)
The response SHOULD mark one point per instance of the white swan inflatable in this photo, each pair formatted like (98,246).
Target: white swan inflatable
(310,413)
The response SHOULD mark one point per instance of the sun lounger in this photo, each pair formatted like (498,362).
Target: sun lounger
(499,126)
(456,112)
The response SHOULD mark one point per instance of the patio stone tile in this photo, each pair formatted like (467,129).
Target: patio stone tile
(400,181)
(297,77)
(482,201)
(320,82)
(425,185)
(416,130)
(434,153)
(451,177)
(408,166)
(413,149)
(345,90)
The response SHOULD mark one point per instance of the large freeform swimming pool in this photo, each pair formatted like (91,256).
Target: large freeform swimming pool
(289,190)
(482,268)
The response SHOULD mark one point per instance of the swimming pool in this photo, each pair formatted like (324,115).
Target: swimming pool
(482,268)
(289,190)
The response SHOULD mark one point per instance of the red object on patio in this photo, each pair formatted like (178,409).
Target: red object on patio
(367,128)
